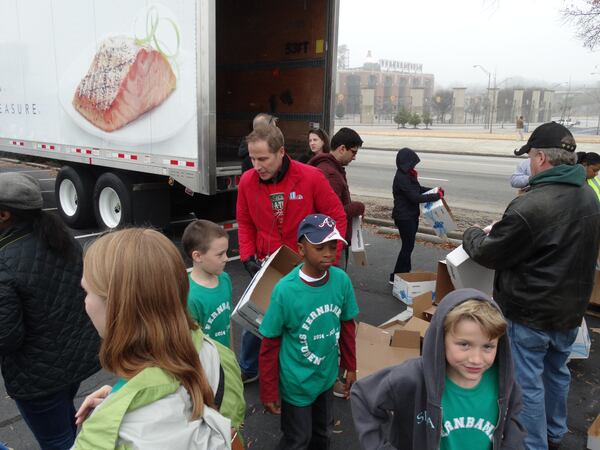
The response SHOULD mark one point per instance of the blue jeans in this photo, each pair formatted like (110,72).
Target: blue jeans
(249,354)
(540,359)
(51,418)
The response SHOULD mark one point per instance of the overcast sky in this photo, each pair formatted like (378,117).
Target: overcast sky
(526,38)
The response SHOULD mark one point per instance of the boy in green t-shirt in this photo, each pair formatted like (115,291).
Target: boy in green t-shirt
(209,299)
(461,394)
(308,326)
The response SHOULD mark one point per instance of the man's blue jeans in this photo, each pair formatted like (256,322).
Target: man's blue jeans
(540,359)
(52,418)
(249,354)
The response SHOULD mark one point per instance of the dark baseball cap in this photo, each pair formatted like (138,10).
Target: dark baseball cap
(549,135)
(318,229)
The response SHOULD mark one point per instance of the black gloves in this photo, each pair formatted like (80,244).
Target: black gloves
(252,266)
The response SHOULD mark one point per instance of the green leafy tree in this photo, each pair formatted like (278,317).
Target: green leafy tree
(415,119)
(340,110)
(427,119)
(402,118)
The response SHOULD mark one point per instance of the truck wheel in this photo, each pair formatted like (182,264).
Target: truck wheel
(74,190)
(112,200)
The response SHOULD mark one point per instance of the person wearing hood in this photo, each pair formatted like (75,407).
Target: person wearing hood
(460,394)
(544,251)
(408,193)
(345,144)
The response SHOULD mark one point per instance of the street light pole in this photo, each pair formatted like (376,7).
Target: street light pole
(490,110)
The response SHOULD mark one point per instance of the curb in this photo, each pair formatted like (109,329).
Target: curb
(386,223)
(444,152)
(423,236)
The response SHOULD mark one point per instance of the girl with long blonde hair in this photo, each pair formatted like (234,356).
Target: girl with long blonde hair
(137,287)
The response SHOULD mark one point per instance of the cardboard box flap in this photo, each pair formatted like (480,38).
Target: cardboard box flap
(593,442)
(372,334)
(443,283)
(406,339)
(416,325)
(403,317)
(422,303)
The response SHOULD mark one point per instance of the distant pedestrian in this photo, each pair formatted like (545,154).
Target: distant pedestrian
(308,327)
(520,177)
(408,194)
(210,297)
(591,162)
(318,144)
(177,388)
(519,126)
(544,252)
(47,343)
(461,394)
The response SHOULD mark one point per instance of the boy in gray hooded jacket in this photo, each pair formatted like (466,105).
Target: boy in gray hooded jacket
(460,394)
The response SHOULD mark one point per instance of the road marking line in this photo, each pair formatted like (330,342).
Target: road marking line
(432,179)
(47,179)
(49,209)
(33,171)
(47,192)
(182,221)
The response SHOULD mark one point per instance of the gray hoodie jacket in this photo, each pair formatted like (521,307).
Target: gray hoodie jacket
(399,407)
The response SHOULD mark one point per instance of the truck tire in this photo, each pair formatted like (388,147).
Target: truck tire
(74,190)
(113,207)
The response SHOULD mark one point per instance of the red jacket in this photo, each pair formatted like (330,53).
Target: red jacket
(268,215)
(336,175)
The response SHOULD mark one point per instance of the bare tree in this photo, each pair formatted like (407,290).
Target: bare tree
(586,17)
(442,103)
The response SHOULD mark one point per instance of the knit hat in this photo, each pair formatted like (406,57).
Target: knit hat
(549,135)
(20,191)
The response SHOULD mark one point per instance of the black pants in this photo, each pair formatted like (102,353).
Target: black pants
(309,427)
(408,231)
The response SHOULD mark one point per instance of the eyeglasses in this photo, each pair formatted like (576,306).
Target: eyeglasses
(354,150)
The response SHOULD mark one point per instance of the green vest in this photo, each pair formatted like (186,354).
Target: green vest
(595,185)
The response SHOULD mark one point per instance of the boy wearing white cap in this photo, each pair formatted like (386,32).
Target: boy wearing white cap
(308,326)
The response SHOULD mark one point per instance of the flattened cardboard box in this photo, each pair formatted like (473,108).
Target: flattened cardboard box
(357,245)
(409,285)
(377,349)
(438,215)
(443,282)
(253,304)
(466,273)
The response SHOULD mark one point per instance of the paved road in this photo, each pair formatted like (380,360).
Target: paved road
(470,182)
(376,305)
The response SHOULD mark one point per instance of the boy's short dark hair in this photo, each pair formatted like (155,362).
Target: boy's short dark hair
(347,137)
(483,313)
(199,234)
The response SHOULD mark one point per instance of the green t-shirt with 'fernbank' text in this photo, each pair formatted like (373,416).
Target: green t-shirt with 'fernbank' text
(308,320)
(211,308)
(470,415)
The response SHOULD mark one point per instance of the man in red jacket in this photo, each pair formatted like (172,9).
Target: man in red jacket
(344,147)
(272,201)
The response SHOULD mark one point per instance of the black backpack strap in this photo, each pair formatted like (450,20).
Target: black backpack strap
(221,388)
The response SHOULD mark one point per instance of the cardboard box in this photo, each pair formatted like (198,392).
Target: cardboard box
(409,285)
(443,282)
(438,215)
(413,324)
(357,245)
(582,344)
(376,348)
(421,304)
(251,308)
(466,273)
(593,442)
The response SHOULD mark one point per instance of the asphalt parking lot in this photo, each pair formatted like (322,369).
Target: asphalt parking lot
(376,305)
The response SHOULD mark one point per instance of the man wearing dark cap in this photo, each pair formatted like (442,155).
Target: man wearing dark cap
(544,251)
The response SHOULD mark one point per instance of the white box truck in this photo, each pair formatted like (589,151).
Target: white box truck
(143,104)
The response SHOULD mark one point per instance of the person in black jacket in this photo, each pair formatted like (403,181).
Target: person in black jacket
(544,252)
(47,343)
(408,193)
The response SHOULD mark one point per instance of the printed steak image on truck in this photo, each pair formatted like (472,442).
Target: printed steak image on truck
(124,81)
